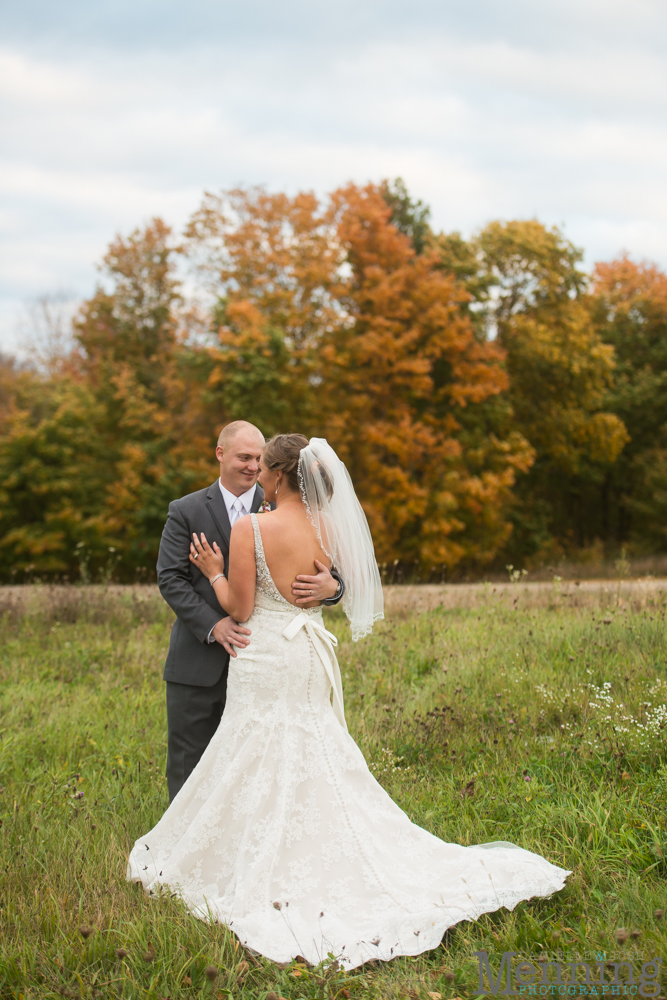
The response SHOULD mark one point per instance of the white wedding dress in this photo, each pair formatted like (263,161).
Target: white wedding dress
(283,834)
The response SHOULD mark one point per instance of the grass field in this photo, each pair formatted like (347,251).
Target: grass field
(536,721)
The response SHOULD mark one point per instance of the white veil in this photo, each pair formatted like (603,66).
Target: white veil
(343,532)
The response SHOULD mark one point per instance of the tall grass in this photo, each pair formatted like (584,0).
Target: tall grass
(539,725)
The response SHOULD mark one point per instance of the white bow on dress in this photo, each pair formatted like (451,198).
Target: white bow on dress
(324,643)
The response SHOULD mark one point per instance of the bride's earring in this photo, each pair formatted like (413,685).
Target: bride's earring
(277,487)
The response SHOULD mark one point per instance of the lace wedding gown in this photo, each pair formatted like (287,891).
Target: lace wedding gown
(282,833)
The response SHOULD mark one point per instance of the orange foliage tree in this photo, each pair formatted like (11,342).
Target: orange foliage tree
(398,375)
(489,403)
(330,322)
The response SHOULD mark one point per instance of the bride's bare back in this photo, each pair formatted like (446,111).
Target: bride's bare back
(290,547)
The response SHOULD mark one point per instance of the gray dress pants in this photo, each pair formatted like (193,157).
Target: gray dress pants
(193,715)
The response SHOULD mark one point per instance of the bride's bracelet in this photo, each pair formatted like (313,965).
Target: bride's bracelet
(216,578)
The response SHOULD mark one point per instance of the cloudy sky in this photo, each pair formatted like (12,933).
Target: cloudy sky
(117,110)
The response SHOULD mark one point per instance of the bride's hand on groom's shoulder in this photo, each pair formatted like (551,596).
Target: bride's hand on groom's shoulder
(209,561)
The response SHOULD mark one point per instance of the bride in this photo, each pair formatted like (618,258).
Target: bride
(281,832)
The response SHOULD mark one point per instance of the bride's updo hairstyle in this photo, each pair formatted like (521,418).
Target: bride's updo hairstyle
(282,453)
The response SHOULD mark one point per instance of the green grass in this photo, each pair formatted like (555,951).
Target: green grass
(484,724)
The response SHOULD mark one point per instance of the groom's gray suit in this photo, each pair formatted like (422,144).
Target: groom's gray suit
(196,669)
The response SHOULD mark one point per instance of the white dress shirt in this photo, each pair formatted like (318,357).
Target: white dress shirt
(236,507)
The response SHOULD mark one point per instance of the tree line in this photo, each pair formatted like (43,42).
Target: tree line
(492,400)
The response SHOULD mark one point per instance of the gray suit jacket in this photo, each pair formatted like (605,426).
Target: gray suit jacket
(191,658)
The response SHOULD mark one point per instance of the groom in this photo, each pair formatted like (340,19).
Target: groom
(204,636)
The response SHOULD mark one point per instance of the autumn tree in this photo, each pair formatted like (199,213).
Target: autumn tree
(148,381)
(93,453)
(490,402)
(270,262)
(408,367)
(336,319)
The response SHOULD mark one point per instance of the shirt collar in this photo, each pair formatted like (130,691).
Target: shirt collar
(229,498)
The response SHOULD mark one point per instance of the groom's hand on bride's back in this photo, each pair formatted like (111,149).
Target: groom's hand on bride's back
(315,588)
(229,634)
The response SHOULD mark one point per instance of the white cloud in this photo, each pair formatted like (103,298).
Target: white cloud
(557,113)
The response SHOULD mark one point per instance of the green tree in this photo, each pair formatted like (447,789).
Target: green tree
(629,307)
(411,217)
(53,481)
(529,294)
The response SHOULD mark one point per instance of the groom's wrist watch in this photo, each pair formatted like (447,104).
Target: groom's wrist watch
(329,601)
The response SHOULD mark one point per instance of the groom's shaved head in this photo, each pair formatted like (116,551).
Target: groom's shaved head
(239,450)
(230,431)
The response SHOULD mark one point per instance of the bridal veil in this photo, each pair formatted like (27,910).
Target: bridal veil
(343,532)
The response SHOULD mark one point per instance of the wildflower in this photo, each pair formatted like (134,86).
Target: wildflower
(211,972)
(85,932)
(121,953)
(622,935)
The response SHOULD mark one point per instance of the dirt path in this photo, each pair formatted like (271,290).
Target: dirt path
(399,599)
(586,593)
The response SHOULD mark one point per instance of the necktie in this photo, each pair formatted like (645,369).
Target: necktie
(237,511)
